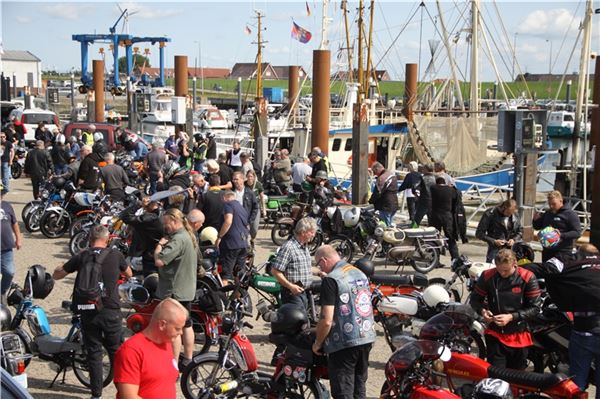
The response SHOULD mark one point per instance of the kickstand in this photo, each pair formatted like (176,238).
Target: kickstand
(64,373)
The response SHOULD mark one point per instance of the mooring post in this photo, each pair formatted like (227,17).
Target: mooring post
(98,71)
(595,147)
(321,99)
(293,96)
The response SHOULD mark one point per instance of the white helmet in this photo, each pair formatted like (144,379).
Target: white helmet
(98,136)
(209,234)
(60,138)
(434,295)
(351,217)
(331,211)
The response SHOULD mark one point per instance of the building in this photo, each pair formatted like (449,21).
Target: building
(206,73)
(284,70)
(247,70)
(23,68)
(544,77)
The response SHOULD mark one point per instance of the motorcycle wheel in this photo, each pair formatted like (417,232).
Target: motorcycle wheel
(81,368)
(315,243)
(344,247)
(32,220)
(280,233)
(79,242)
(194,376)
(385,392)
(292,389)
(16,170)
(80,223)
(30,206)
(53,225)
(426,258)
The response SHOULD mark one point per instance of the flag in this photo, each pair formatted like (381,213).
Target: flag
(247,30)
(307,9)
(300,34)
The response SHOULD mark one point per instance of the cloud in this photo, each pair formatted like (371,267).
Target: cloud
(136,10)
(23,19)
(549,23)
(69,11)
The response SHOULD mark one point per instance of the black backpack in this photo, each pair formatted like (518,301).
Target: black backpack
(89,286)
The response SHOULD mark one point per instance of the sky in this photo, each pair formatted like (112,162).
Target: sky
(213,34)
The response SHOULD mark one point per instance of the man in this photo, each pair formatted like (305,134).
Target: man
(38,165)
(292,266)
(424,200)
(282,169)
(246,163)
(89,177)
(507,296)
(72,169)
(346,329)
(103,326)
(60,154)
(88,137)
(317,164)
(154,162)
(114,177)
(212,203)
(439,168)
(233,156)
(324,157)
(171,146)
(74,147)
(563,219)
(233,236)
(176,259)
(199,189)
(443,203)
(211,149)
(10,238)
(144,366)
(500,227)
(385,193)
(245,196)
(195,219)
(199,152)
(300,170)
(8,154)
(410,186)
(222,170)
(43,134)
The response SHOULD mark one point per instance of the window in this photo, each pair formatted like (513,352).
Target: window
(336,144)
(396,143)
(569,118)
(348,146)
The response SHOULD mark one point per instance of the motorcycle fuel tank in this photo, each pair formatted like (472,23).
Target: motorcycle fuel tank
(399,305)
(479,267)
(266,283)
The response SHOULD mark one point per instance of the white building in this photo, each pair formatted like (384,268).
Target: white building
(22,66)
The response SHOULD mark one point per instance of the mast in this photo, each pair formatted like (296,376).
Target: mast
(259,43)
(582,94)
(474,103)
(361,77)
(369,45)
(324,24)
(450,57)
(348,48)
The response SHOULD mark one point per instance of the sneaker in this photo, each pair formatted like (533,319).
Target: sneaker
(183,363)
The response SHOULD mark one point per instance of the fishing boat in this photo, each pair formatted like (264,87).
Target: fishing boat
(158,120)
(562,124)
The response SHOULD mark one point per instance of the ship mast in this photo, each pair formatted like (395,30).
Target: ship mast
(361,77)
(369,45)
(259,43)
(474,103)
(450,57)
(325,20)
(348,47)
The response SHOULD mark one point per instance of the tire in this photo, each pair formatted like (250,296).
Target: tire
(344,247)
(196,373)
(32,220)
(80,365)
(29,207)
(54,224)
(280,233)
(384,394)
(426,258)
(79,242)
(16,170)
(80,223)
(309,390)
(315,243)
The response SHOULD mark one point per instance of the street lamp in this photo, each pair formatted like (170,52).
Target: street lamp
(514,54)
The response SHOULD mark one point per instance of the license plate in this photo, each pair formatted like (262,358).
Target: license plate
(21,379)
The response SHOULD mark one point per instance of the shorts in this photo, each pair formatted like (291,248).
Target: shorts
(231,259)
(188,306)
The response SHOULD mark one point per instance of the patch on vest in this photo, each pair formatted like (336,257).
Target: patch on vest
(344,298)
(348,327)
(362,303)
(367,325)
(345,310)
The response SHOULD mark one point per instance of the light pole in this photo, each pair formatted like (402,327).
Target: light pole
(514,55)
(549,57)
(194,91)
(72,91)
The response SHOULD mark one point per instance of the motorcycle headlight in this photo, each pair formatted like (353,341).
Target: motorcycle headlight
(378,232)
(63,193)
(45,194)
(316,209)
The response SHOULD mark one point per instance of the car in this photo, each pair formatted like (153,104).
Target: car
(30,119)
(12,389)
(107,129)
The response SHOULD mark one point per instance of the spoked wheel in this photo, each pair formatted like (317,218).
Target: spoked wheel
(80,223)
(426,258)
(315,243)
(343,246)
(32,220)
(293,390)
(79,242)
(81,366)
(54,224)
(31,205)
(280,233)
(16,170)
(195,376)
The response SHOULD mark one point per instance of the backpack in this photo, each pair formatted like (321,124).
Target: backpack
(89,286)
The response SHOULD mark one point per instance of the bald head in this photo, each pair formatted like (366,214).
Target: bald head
(168,320)
(196,219)
(326,257)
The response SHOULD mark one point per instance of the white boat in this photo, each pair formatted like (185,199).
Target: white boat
(158,121)
(210,117)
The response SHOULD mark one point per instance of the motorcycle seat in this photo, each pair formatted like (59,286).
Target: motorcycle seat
(393,280)
(315,287)
(420,232)
(52,345)
(539,380)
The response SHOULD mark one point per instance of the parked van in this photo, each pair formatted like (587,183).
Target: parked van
(32,117)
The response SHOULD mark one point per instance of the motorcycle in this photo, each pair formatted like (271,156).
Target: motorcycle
(66,352)
(57,219)
(52,193)
(234,369)
(16,169)
(279,206)
(284,227)
(13,354)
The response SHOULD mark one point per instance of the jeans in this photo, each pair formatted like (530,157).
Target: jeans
(7,264)
(500,355)
(5,177)
(35,185)
(387,217)
(60,169)
(153,181)
(199,166)
(411,204)
(423,209)
(300,300)
(100,329)
(491,253)
(348,372)
(582,351)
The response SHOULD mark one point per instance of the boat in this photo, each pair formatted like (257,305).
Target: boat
(158,121)
(562,124)
(210,117)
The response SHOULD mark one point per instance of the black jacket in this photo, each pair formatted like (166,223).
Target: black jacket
(59,154)
(147,231)
(250,203)
(89,172)
(518,294)
(211,150)
(212,207)
(460,217)
(491,227)
(567,222)
(38,163)
(385,193)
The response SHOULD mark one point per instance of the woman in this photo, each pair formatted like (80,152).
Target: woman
(257,187)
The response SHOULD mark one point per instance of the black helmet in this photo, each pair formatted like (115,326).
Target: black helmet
(5,318)
(492,388)
(290,319)
(198,136)
(206,264)
(321,175)
(151,284)
(15,296)
(59,182)
(366,266)
(42,283)
(523,251)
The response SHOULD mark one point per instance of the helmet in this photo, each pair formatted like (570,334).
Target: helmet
(151,284)
(198,136)
(307,186)
(351,217)
(5,318)
(331,211)
(59,139)
(73,139)
(42,282)
(209,234)
(98,136)
(169,169)
(206,264)
(434,295)
(290,319)
(492,388)
(366,266)
(59,182)
(321,175)
(523,252)
(549,236)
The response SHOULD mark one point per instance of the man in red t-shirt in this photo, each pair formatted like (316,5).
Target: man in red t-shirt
(144,365)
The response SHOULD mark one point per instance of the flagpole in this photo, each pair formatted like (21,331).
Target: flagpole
(324,24)
(348,48)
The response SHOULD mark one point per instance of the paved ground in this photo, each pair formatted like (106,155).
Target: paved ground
(51,253)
